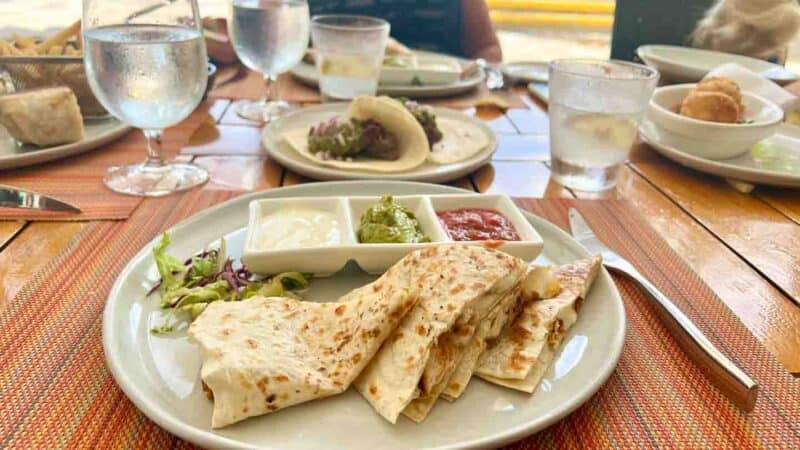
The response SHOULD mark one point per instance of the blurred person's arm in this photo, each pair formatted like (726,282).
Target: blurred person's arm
(479,38)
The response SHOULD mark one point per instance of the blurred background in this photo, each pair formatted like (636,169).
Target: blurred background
(529,30)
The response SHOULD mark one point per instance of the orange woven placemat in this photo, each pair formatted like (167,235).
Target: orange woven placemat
(78,180)
(55,390)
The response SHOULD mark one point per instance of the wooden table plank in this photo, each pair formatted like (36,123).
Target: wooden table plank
(245,173)
(9,230)
(787,201)
(31,250)
(227,140)
(524,147)
(519,179)
(496,120)
(529,121)
(763,309)
(764,237)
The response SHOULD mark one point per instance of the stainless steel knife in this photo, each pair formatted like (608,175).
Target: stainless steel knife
(11,197)
(726,375)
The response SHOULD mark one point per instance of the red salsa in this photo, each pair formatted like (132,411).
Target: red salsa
(472,224)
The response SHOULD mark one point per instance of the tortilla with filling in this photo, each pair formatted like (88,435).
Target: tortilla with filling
(394,117)
(264,354)
(419,408)
(520,358)
(459,285)
(539,282)
(460,140)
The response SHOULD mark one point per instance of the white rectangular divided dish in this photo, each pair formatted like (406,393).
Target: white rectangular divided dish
(330,256)
(422,69)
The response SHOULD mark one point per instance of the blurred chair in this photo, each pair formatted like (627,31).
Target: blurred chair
(640,22)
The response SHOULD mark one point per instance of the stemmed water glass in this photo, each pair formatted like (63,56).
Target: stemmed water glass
(146,63)
(270,37)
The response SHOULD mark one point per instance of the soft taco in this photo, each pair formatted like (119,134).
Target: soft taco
(376,133)
(383,134)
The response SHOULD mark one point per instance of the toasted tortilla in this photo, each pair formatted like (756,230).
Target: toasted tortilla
(466,356)
(264,354)
(519,358)
(460,140)
(539,282)
(459,285)
(392,116)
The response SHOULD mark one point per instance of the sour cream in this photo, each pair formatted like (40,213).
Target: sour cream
(298,227)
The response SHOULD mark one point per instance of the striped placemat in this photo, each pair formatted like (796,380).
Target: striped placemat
(56,391)
(78,180)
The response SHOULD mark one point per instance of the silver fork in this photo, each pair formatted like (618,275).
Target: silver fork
(494,78)
(726,375)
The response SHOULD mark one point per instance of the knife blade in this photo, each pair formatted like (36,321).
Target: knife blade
(722,372)
(11,197)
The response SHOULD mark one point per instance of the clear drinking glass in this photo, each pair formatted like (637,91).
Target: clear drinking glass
(595,108)
(349,54)
(270,37)
(146,63)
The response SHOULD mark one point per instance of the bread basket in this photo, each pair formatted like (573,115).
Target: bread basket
(31,72)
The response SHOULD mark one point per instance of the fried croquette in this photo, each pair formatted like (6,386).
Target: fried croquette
(724,86)
(710,106)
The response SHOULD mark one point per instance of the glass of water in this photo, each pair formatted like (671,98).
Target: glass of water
(270,37)
(146,63)
(595,108)
(349,53)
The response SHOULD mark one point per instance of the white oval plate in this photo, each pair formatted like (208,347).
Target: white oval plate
(280,151)
(307,73)
(784,170)
(689,65)
(98,132)
(529,72)
(161,375)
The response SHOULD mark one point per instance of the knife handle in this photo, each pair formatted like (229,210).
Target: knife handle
(724,373)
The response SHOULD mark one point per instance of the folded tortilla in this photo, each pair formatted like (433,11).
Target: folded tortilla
(391,115)
(520,357)
(460,286)
(460,140)
(264,354)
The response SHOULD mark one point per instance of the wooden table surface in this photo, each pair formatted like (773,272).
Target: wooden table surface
(746,247)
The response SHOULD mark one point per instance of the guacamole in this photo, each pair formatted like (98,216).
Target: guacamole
(390,223)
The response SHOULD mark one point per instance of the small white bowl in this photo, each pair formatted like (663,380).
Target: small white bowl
(712,140)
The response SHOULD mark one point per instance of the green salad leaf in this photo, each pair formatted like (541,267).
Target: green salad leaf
(188,287)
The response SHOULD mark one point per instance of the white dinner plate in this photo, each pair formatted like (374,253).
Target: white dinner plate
(777,163)
(307,73)
(160,374)
(98,132)
(689,65)
(280,151)
(529,72)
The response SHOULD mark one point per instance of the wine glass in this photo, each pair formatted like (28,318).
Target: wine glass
(146,63)
(270,37)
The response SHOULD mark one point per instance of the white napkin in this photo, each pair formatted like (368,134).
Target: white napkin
(750,81)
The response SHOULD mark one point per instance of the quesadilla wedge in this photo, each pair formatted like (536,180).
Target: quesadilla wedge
(419,408)
(264,354)
(539,282)
(376,133)
(519,358)
(459,285)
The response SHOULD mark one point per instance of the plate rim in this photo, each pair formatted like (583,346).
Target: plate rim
(431,91)
(718,167)
(504,69)
(46,154)
(699,72)
(303,166)
(210,439)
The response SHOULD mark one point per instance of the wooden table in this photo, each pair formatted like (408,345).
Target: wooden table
(746,247)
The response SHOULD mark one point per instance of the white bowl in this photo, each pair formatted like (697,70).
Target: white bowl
(712,140)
